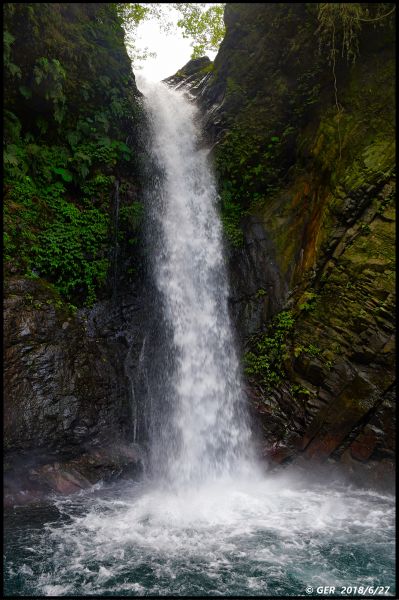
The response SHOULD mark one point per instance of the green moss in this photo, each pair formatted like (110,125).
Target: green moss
(312,350)
(208,69)
(299,391)
(265,361)
(308,302)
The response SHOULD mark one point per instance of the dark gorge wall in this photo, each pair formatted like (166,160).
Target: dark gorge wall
(307,187)
(74,300)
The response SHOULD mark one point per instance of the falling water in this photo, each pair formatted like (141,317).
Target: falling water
(207,434)
(206,522)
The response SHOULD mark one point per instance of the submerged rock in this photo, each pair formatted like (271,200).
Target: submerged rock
(24,484)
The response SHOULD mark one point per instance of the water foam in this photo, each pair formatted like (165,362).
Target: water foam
(274,536)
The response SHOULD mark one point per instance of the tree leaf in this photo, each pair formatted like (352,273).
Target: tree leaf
(65,174)
(25,91)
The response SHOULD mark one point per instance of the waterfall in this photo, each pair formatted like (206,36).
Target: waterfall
(209,522)
(201,429)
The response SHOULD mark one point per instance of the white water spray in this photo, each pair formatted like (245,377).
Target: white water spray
(209,435)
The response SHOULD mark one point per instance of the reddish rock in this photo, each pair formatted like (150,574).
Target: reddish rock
(279,454)
(23,486)
(321,447)
(363,446)
(60,479)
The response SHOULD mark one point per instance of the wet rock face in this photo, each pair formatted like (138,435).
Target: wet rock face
(258,289)
(28,479)
(59,381)
(321,242)
(190,71)
(66,388)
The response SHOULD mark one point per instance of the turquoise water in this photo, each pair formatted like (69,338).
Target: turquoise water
(276,536)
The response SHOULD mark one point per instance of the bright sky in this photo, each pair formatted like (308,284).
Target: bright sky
(173,51)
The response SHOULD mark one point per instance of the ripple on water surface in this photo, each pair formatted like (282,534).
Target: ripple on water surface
(274,536)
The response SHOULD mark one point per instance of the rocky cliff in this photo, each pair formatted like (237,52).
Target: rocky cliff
(304,146)
(74,299)
(304,150)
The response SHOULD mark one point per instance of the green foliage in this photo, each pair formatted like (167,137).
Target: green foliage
(14,161)
(66,122)
(231,215)
(309,302)
(10,67)
(72,250)
(64,243)
(204,23)
(250,164)
(72,308)
(66,175)
(298,390)
(266,361)
(312,350)
(132,215)
(97,190)
(248,171)
(365,229)
(208,69)
(133,14)
(49,76)
(50,237)
(201,22)
(12,126)
(44,230)
(339,23)
(260,293)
